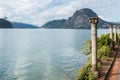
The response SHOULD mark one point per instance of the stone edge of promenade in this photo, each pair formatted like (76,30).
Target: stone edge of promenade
(108,70)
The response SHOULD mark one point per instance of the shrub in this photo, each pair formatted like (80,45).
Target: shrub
(86,49)
(84,72)
(99,65)
(104,49)
(104,40)
(103,52)
(92,75)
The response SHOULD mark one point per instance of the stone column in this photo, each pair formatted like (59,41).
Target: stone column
(115,33)
(94,22)
(111,31)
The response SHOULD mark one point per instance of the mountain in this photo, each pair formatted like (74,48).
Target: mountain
(55,24)
(23,25)
(5,23)
(79,20)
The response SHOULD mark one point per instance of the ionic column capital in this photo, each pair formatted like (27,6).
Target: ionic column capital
(93,20)
(111,26)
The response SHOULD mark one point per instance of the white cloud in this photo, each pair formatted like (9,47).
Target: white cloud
(59,12)
(22,10)
(2,13)
(104,18)
(39,12)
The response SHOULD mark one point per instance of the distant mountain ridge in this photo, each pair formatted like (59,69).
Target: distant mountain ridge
(55,24)
(79,20)
(5,23)
(23,25)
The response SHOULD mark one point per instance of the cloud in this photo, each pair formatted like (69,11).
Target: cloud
(22,10)
(59,12)
(2,12)
(104,18)
(39,12)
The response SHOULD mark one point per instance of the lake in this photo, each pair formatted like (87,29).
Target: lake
(42,54)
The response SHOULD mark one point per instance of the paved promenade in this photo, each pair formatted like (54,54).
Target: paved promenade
(115,73)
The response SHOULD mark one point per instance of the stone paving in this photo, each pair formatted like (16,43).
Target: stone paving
(108,69)
(115,73)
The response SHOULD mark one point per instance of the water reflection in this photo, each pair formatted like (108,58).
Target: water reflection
(21,56)
(41,54)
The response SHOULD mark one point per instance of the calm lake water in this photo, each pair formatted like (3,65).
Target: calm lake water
(42,54)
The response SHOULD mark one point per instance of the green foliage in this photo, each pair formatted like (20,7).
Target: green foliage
(84,72)
(104,49)
(117,40)
(119,36)
(86,49)
(92,75)
(104,40)
(104,52)
(99,65)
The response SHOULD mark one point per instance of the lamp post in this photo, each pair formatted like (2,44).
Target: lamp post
(94,21)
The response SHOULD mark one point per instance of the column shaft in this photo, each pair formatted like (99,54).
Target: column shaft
(94,46)
(111,31)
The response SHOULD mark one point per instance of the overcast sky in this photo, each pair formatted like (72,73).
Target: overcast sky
(38,12)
